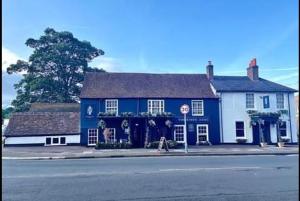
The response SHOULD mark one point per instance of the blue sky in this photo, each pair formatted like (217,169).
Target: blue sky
(171,36)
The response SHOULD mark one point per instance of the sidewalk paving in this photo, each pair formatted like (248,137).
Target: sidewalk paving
(74,152)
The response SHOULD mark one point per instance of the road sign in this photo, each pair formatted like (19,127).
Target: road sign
(184,109)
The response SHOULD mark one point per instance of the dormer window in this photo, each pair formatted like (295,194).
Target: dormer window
(156,106)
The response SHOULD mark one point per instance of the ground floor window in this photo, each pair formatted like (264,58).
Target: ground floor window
(112,135)
(55,141)
(92,136)
(179,133)
(282,129)
(48,141)
(62,140)
(202,133)
(239,129)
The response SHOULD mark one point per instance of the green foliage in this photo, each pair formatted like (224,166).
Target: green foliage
(117,145)
(6,113)
(54,70)
(171,144)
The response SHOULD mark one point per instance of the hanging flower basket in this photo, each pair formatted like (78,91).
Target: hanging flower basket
(102,124)
(168,123)
(124,124)
(151,123)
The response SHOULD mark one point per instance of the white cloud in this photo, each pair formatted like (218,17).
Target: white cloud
(109,64)
(8,57)
(285,77)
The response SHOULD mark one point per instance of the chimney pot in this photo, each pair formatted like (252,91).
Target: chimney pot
(210,71)
(252,70)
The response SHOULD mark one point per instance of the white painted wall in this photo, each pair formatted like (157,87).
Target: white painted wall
(234,109)
(40,139)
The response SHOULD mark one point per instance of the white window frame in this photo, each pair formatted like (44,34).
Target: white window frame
(201,111)
(184,130)
(207,133)
(51,140)
(97,136)
(277,100)
(248,101)
(238,137)
(112,140)
(161,106)
(116,108)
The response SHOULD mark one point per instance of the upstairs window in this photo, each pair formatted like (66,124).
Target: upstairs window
(197,108)
(111,106)
(249,100)
(156,106)
(282,129)
(239,129)
(266,102)
(280,101)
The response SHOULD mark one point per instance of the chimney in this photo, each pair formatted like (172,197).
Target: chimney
(252,70)
(210,71)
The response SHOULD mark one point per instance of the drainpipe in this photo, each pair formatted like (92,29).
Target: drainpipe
(221,118)
(290,118)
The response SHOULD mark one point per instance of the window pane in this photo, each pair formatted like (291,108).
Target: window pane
(48,140)
(62,140)
(249,100)
(55,140)
(239,125)
(197,107)
(240,133)
(280,101)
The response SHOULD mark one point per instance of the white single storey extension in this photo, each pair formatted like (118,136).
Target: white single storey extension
(44,127)
(252,108)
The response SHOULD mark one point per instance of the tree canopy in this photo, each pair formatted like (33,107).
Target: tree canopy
(54,70)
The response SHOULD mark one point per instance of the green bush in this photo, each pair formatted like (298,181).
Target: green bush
(171,144)
(117,145)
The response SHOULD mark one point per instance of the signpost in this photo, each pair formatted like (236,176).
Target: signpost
(184,109)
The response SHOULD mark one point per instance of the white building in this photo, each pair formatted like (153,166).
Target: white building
(267,102)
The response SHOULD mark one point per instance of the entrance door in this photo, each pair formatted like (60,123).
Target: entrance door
(266,132)
(138,133)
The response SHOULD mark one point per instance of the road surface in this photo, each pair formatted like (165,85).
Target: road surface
(210,178)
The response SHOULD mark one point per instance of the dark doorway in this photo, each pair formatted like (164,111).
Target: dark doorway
(137,133)
(265,130)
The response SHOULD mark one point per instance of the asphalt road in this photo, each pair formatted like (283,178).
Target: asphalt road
(212,178)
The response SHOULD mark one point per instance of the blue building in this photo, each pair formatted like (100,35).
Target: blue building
(141,108)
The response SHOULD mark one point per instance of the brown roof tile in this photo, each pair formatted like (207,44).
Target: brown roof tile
(43,123)
(144,85)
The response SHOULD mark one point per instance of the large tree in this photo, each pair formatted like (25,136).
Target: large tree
(54,70)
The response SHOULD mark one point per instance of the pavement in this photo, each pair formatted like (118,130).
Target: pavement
(75,152)
(176,178)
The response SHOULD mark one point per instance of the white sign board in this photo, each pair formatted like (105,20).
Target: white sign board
(184,109)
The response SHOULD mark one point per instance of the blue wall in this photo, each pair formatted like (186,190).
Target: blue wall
(211,116)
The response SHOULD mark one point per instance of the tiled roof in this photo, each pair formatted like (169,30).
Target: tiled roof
(144,85)
(43,123)
(54,107)
(244,84)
